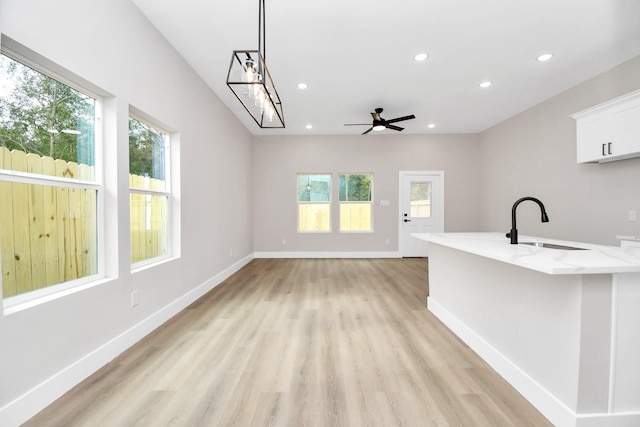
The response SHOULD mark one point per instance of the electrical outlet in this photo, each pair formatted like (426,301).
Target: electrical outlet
(135,299)
(284,241)
(632,215)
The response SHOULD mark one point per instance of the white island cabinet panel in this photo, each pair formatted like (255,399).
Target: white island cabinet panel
(626,388)
(560,325)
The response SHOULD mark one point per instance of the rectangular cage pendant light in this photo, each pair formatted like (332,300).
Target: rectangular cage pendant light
(251,83)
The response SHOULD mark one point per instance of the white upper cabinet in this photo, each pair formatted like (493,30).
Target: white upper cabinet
(609,131)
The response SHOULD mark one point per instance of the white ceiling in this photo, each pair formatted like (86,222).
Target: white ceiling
(356,55)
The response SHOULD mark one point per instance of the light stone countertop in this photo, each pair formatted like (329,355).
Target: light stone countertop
(596,259)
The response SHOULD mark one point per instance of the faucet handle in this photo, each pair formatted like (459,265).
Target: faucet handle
(508,235)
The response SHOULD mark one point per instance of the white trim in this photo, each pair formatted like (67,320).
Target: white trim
(20,302)
(28,57)
(552,408)
(608,420)
(328,254)
(606,104)
(26,406)
(48,180)
(558,413)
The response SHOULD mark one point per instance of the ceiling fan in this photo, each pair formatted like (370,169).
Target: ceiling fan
(380,123)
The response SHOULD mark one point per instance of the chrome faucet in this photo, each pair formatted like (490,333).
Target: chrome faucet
(513,234)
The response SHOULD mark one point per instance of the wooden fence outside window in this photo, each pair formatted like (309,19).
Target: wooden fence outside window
(48,234)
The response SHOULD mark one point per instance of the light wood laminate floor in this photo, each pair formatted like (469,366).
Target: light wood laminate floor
(300,342)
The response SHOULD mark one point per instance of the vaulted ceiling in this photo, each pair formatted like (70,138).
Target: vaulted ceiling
(356,55)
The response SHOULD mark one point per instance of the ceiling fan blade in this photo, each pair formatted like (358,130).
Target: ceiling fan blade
(367,131)
(357,124)
(376,116)
(399,119)
(394,127)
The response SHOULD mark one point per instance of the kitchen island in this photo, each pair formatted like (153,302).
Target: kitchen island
(561,325)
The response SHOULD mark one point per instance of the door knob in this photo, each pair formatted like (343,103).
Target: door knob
(407,220)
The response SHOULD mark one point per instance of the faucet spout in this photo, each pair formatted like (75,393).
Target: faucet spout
(513,234)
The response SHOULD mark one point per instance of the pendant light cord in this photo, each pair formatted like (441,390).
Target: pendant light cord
(262,32)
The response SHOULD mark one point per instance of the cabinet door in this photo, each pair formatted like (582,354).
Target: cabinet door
(595,138)
(626,125)
(610,131)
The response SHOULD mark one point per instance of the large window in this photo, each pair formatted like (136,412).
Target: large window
(356,201)
(314,202)
(50,191)
(149,191)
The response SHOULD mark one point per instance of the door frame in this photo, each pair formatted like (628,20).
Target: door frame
(401,176)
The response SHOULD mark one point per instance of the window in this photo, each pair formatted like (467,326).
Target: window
(421,199)
(314,202)
(355,195)
(50,190)
(149,191)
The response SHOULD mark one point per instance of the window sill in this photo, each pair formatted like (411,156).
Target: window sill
(20,303)
(147,264)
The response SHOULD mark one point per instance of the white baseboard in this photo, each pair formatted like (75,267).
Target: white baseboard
(609,420)
(552,408)
(36,399)
(328,254)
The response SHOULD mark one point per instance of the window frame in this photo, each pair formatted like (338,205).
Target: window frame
(370,203)
(40,64)
(141,117)
(310,202)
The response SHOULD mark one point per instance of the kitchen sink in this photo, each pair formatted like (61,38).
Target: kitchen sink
(553,246)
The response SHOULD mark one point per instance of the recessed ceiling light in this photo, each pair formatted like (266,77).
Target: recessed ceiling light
(309,126)
(545,57)
(486,84)
(421,57)
(431,125)
(302,86)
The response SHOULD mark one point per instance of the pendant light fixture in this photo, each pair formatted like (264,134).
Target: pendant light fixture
(251,83)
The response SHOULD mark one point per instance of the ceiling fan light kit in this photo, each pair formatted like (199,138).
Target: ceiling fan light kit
(250,81)
(379,123)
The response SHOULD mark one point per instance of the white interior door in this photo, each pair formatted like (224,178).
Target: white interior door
(421,210)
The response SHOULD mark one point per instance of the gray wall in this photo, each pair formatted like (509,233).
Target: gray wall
(534,154)
(110,43)
(530,154)
(278,159)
